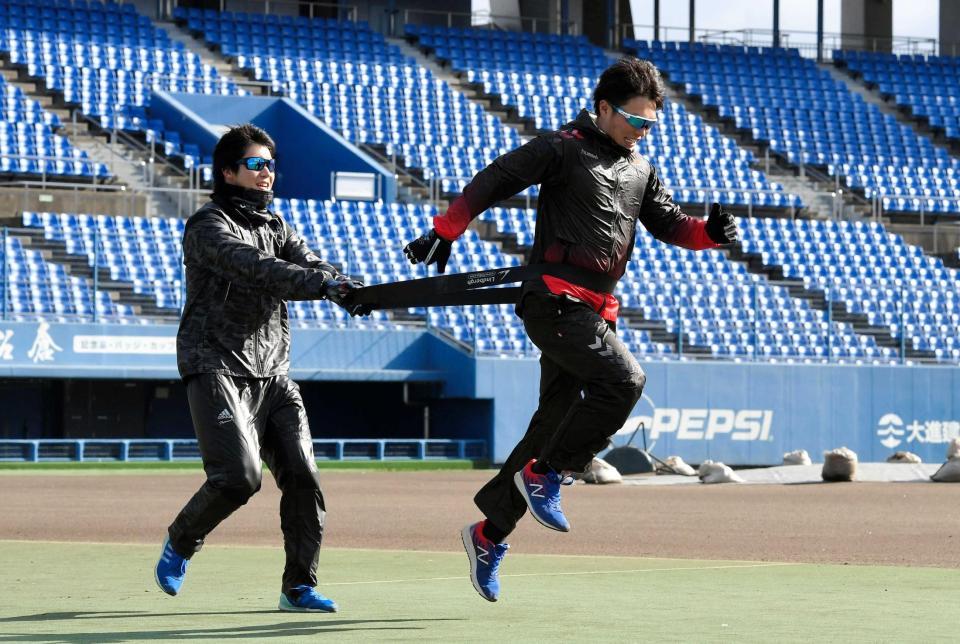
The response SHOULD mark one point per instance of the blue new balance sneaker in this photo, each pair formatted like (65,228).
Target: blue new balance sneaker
(170,569)
(306,599)
(542,494)
(485,557)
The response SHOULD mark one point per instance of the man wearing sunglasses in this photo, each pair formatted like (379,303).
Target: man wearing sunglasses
(594,188)
(233,352)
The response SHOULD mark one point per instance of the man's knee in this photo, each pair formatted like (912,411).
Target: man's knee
(626,394)
(636,384)
(238,485)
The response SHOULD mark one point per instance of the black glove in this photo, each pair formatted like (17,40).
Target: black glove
(721,226)
(338,290)
(428,249)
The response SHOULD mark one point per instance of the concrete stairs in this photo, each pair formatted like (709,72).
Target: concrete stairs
(77,265)
(871,94)
(210,56)
(473,91)
(810,183)
(134,166)
(836,310)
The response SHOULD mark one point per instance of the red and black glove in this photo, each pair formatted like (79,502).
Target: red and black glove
(721,226)
(428,249)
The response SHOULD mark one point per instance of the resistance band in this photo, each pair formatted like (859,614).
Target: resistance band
(478,287)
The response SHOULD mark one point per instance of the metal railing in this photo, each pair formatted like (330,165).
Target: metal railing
(42,168)
(674,323)
(926,209)
(269,7)
(106,450)
(682,332)
(485,19)
(437,195)
(96,278)
(804,41)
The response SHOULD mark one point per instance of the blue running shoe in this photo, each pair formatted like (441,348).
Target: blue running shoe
(542,494)
(485,557)
(170,569)
(306,599)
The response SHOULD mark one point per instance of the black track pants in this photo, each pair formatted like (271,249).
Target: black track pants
(589,383)
(238,421)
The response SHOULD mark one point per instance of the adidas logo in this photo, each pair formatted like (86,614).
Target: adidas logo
(224,417)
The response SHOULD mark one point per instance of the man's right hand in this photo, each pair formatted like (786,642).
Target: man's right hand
(337,291)
(428,249)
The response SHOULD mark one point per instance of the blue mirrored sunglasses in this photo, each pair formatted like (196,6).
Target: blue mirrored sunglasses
(256,164)
(638,122)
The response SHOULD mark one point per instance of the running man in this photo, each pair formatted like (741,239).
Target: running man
(594,188)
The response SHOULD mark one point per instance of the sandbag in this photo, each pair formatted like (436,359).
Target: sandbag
(953,449)
(949,472)
(675,465)
(797,457)
(711,472)
(839,465)
(600,472)
(903,457)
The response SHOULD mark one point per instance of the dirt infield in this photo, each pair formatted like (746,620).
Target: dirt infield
(857,523)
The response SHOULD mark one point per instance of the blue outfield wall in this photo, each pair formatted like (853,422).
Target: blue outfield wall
(734,412)
(742,413)
(148,352)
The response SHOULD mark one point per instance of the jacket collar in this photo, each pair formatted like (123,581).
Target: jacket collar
(240,214)
(586,122)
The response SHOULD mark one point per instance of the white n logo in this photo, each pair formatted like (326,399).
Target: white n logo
(483,557)
(536,487)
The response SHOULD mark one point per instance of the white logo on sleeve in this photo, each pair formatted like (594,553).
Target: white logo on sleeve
(224,417)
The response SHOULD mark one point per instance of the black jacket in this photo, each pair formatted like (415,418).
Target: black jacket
(240,267)
(592,193)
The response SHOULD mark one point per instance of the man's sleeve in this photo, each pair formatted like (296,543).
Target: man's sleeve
(296,251)
(209,243)
(535,162)
(663,218)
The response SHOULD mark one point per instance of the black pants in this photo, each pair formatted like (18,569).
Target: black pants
(589,383)
(238,421)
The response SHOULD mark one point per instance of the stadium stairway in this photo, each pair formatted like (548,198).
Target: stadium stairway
(809,190)
(410,185)
(208,57)
(885,94)
(873,94)
(811,185)
(120,292)
(129,160)
(411,188)
(474,91)
(838,311)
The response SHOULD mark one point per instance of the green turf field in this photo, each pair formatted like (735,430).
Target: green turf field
(105,593)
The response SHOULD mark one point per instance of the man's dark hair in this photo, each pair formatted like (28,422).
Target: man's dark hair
(628,78)
(233,144)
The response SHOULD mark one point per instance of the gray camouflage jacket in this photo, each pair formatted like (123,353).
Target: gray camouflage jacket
(240,269)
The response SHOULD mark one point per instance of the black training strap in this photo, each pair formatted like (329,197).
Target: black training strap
(473,288)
